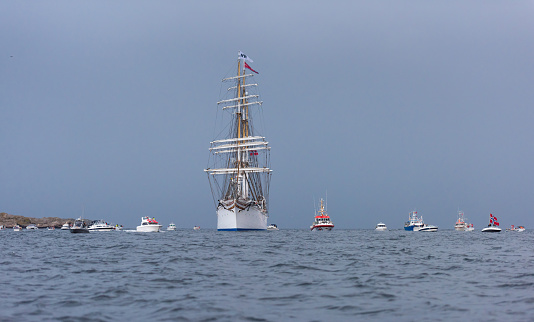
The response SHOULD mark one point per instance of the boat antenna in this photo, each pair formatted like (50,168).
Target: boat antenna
(314,207)
(326,207)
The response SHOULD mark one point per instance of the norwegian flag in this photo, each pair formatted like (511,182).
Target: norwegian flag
(491,220)
(491,215)
(496,223)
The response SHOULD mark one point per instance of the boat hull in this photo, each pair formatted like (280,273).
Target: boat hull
(79,230)
(491,230)
(250,218)
(322,227)
(149,228)
(427,228)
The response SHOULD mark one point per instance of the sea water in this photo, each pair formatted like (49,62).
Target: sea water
(341,275)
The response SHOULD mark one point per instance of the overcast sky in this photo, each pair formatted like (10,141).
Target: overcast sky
(390,106)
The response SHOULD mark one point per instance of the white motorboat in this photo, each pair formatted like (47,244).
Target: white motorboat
(171,226)
(2,227)
(238,167)
(272,227)
(469,227)
(148,225)
(100,225)
(196,228)
(65,226)
(426,228)
(79,227)
(32,227)
(17,228)
(322,220)
(381,226)
(493,226)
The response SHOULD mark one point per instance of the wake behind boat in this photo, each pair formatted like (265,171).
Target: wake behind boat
(493,226)
(322,220)
(238,171)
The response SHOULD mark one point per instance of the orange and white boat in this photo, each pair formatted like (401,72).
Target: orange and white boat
(322,220)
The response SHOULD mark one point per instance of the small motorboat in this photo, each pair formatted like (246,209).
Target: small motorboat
(118,227)
(272,227)
(426,228)
(79,227)
(493,226)
(17,228)
(381,226)
(32,227)
(65,226)
(100,225)
(518,228)
(469,227)
(196,228)
(51,228)
(171,226)
(148,225)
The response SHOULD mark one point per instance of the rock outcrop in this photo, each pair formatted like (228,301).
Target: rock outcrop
(11,220)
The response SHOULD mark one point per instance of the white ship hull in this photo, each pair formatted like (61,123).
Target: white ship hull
(149,228)
(251,218)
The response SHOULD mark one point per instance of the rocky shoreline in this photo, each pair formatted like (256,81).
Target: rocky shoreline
(8,221)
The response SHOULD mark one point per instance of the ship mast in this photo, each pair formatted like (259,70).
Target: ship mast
(244,174)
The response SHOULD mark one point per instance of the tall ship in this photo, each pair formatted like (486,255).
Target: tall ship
(322,220)
(239,164)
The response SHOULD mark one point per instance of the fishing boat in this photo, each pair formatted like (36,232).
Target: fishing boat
(493,226)
(101,225)
(381,226)
(272,227)
(148,225)
(79,227)
(322,220)
(171,226)
(413,221)
(238,167)
(460,225)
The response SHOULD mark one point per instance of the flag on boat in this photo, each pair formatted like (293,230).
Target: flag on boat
(491,221)
(494,218)
(240,55)
(496,223)
(247,66)
(491,215)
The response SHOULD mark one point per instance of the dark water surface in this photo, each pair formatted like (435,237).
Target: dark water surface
(340,275)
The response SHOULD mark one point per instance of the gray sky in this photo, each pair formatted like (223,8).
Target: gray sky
(389,106)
